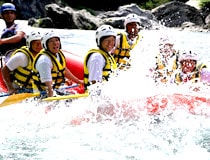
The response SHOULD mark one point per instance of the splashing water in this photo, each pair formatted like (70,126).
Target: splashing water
(115,124)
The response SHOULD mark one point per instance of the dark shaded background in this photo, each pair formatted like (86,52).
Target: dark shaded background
(108,5)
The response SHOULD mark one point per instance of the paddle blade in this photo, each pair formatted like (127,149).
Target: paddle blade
(15,98)
(66,97)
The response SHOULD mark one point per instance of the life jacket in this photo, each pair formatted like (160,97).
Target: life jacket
(22,76)
(110,65)
(57,72)
(9,32)
(193,78)
(122,51)
(162,70)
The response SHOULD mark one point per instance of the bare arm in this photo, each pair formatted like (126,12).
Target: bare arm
(49,88)
(7,80)
(70,76)
(13,39)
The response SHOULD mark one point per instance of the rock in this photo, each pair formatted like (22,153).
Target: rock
(31,8)
(42,22)
(50,13)
(174,14)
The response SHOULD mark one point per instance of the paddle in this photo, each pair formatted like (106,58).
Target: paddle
(66,97)
(15,98)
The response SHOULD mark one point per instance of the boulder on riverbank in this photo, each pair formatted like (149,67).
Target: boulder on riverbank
(173,14)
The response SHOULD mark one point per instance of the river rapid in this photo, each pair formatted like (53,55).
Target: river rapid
(29,130)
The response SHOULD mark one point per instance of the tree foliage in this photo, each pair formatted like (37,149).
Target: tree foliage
(204,3)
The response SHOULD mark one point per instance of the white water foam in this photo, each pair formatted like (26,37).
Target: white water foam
(28,132)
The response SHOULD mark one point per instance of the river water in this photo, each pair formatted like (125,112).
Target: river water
(29,131)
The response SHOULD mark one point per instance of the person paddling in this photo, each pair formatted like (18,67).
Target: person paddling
(13,36)
(127,40)
(17,72)
(50,65)
(99,64)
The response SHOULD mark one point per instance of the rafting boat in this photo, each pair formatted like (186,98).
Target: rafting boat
(152,104)
(157,105)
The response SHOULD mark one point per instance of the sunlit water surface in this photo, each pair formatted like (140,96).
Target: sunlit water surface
(29,130)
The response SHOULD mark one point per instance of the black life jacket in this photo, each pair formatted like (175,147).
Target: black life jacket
(4,48)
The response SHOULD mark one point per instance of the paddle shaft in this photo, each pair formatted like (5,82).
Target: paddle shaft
(15,98)
(66,97)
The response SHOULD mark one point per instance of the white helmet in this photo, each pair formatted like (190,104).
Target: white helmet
(104,30)
(131,18)
(188,56)
(47,36)
(32,37)
(165,40)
